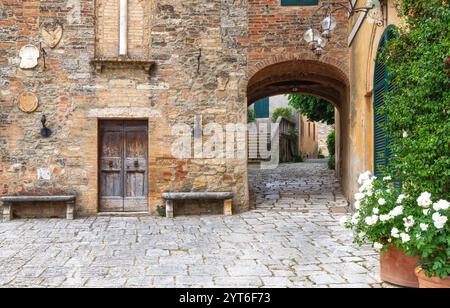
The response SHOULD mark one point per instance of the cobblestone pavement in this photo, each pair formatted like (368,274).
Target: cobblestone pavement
(291,239)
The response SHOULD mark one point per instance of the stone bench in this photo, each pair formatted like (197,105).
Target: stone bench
(8,202)
(170,197)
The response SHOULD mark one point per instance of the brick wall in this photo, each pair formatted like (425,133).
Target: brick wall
(204,52)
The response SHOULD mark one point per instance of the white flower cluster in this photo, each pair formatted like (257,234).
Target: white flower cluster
(366,188)
(439,221)
(395,233)
(424,200)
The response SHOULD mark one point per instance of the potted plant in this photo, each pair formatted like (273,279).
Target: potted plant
(378,219)
(430,240)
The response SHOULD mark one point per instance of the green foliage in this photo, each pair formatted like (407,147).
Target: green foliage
(332,162)
(315,109)
(299,158)
(418,127)
(293,133)
(418,114)
(331,143)
(161,210)
(285,113)
(385,216)
(251,116)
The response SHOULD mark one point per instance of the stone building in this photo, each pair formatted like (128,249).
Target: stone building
(113,78)
(308,132)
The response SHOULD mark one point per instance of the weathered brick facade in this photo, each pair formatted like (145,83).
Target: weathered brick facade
(205,52)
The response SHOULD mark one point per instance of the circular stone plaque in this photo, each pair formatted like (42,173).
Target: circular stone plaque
(28,102)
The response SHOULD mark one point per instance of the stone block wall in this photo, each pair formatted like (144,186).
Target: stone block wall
(200,69)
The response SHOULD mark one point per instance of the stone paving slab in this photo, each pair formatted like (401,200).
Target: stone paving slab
(271,246)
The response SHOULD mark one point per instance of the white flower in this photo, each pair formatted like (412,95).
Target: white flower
(397,211)
(377,246)
(441,205)
(405,237)
(408,222)
(359,196)
(387,178)
(376,211)
(371,220)
(382,201)
(384,218)
(357,205)
(439,221)
(395,233)
(343,220)
(364,177)
(369,193)
(401,198)
(405,134)
(355,219)
(424,227)
(424,200)
(426,212)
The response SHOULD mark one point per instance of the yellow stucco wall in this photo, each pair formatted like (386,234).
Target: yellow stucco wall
(363,53)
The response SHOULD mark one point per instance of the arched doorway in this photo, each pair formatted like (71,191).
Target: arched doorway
(304,76)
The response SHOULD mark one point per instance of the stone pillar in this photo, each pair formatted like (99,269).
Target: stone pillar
(228,207)
(7,211)
(169,208)
(123,30)
(70,210)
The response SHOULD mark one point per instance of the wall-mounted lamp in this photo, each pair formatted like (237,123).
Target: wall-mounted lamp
(45,131)
(318,39)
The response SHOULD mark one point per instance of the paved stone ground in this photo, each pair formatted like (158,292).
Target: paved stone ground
(291,239)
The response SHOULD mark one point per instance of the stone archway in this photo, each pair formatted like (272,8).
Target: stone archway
(326,78)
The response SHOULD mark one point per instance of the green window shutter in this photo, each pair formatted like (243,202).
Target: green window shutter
(262,108)
(380,88)
(299,2)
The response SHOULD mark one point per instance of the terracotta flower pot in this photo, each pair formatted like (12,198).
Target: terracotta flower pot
(431,282)
(398,268)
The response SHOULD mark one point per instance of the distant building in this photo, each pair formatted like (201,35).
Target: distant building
(311,135)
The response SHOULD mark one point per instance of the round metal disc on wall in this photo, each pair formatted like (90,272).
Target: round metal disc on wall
(28,102)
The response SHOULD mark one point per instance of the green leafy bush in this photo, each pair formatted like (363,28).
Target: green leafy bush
(284,112)
(418,113)
(332,162)
(251,116)
(417,110)
(314,108)
(385,216)
(331,143)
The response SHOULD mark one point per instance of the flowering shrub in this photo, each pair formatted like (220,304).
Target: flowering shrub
(419,226)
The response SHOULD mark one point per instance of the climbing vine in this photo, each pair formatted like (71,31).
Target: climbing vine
(418,126)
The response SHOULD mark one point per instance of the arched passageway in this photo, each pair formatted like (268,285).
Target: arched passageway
(311,77)
(306,76)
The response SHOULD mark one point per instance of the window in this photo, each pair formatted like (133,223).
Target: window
(309,129)
(380,88)
(299,2)
(262,108)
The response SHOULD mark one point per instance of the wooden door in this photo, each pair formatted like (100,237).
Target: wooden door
(123,166)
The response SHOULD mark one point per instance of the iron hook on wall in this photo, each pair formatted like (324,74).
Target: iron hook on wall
(45,131)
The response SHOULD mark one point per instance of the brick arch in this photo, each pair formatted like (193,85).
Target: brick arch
(304,56)
(304,73)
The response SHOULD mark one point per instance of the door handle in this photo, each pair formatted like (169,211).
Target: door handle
(136,163)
